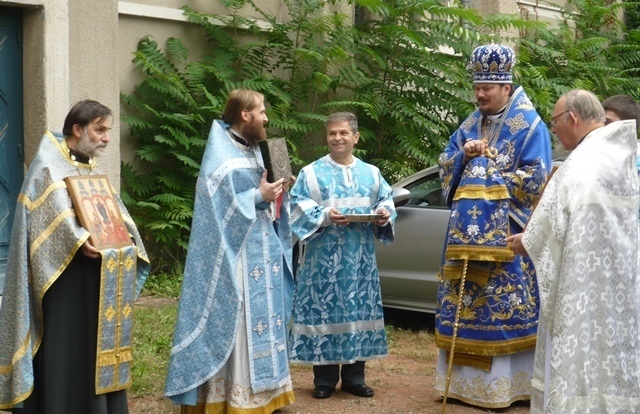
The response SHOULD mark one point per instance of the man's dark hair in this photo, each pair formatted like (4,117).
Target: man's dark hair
(83,113)
(624,106)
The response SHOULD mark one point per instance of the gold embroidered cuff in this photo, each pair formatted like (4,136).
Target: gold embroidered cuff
(483,254)
(473,192)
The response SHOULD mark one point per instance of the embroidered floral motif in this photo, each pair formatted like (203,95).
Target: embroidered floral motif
(473,230)
(275,269)
(112,264)
(514,298)
(478,171)
(499,393)
(110,313)
(473,234)
(524,103)
(220,391)
(256,273)
(126,311)
(260,328)
(128,264)
(506,156)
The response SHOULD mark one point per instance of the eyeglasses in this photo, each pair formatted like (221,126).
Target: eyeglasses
(553,122)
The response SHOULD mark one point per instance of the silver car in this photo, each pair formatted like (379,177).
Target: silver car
(408,266)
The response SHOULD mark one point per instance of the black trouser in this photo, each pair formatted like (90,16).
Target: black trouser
(328,375)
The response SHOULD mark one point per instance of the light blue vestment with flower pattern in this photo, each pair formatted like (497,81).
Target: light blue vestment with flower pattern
(499,314)
(231,223)
(337,312)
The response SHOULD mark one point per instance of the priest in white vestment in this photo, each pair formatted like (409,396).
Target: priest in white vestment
(583,241)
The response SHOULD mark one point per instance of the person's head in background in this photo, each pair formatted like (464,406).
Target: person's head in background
(576,114)
(621,108)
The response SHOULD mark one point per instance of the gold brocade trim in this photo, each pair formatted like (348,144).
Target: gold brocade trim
(487,348)
(469,360)
(286,398)
(474,274)
(57,143)
(114,357)
(49,230)
(64,150)
(20,353)
(479,253)
(474,192)
(32,205)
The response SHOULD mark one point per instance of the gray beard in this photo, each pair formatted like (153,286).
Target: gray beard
(87,147)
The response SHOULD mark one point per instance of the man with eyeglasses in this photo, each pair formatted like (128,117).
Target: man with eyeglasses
(493,172)
(583,241)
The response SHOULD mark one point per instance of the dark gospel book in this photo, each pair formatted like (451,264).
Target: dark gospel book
(276,159)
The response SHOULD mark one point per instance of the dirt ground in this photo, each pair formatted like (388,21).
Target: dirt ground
(403,382)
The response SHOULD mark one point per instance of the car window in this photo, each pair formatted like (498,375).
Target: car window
(426,192)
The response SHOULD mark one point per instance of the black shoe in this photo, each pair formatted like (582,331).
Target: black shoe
(360,390)
(322,391)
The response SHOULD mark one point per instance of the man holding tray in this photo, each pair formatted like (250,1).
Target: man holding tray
(67,314)
(337,310)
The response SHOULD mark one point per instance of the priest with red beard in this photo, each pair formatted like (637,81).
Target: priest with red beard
(230,343)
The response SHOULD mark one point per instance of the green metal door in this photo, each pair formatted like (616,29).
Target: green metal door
(11,125)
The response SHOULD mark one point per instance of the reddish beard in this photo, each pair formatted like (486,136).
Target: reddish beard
(254,131)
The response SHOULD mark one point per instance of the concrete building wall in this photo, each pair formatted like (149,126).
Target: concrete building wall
(164,19)
(93,67)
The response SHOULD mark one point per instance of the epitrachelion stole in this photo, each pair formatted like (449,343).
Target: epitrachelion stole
(98,212)
(276,159)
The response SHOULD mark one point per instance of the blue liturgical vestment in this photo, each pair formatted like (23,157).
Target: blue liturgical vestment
(492,198)
(337,312)
(232,224)
(45,238)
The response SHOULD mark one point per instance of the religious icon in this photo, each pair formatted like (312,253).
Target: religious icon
(98,211)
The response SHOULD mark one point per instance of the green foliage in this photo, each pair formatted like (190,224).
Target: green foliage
(590,49)
(401,67)
(169,116)
(409,77)
(632,13)
(152,335)
(165,285)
